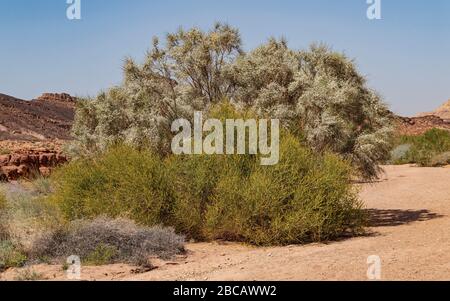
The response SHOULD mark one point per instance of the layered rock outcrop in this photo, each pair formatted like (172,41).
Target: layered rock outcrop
(32,134)
(47,118)
(29,164)
(56,97)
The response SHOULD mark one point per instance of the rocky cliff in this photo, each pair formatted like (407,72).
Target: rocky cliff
(49,117)
(32,134)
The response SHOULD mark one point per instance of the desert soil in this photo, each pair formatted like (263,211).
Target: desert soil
(410,223)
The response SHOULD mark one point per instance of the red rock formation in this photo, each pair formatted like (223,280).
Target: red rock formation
(28,164)
(56,97)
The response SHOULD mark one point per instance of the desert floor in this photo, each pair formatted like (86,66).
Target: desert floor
(410,232)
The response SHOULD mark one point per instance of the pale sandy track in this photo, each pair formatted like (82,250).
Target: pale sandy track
(411,234)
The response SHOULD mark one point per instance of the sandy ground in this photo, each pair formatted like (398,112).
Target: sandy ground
(410,209)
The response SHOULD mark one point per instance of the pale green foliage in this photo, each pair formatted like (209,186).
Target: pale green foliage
(184,75)
(263,76)
(317,93)
(320,94)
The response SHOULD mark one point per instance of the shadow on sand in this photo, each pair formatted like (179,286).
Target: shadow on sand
(393,218)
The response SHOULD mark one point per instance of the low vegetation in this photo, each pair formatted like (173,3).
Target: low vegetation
(10,255)
(4,151)
(34,230)
(28,275)
(27,215)
(105,241)
(431,149)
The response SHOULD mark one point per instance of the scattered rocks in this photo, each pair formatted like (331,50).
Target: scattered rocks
(419,125)
(24,159)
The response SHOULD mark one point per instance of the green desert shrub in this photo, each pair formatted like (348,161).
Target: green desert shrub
(306,197)
(105,241)
(429,149)
(41,185)
(399,153)
(122,182)
(302,199)
(195,180)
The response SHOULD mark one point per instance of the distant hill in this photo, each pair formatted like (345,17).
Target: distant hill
(46,118)
(50,117)
(420,125)
(442,112)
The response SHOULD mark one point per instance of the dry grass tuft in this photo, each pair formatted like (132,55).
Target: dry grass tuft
(104,241)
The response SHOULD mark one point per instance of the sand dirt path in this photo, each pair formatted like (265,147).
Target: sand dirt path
(410,209)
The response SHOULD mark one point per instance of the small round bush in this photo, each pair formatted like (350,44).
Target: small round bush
(104,241)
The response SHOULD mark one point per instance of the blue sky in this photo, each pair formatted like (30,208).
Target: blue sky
(405,56)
